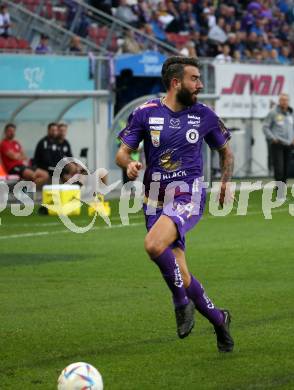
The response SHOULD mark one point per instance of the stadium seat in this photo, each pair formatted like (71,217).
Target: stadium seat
(12,43)
(23,44)
(177,38)
(3,43)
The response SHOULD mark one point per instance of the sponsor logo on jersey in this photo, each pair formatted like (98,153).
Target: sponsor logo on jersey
(174,123)
(156,121)
(167,161)
(190,116)
(155,138)
(173,175)
(194,123)
(192,136)
(156,127)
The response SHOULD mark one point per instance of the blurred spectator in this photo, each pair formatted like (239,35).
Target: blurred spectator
(232,42)
(102,5)
(284,57)
(257,57)
(184,19)
(253,11)
(237,57)
(188,50)
(75,45)
(204,48)
(130,44)
(163,16)
(210,14)
(125,13)
(157,27)
(148,30)
(5,23)
(143,10)
(274,57)
(43,46)
(265,56)
(217,32)
(15,161)
(252,41)
(77,19)
(240,43)
(224,57)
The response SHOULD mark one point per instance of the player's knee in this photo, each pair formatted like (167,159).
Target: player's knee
(153,246)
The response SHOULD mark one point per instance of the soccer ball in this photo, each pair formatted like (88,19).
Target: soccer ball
(80,376)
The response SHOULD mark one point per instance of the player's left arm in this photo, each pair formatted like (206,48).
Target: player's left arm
(226,158)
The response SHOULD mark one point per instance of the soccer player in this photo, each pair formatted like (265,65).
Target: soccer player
(173,129)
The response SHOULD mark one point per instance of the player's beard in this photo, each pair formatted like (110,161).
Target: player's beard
(185,97)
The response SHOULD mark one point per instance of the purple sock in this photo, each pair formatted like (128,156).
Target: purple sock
(170,271)
(202,303)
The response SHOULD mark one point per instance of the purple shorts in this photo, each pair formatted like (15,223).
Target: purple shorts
(184,213)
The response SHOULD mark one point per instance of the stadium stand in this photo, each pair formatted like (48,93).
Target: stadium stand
(255,31)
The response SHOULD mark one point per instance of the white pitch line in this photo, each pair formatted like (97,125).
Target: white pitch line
(118,226)
(23,235)
(60,223)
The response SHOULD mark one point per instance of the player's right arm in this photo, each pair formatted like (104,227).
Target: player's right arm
(123,160)
(130,138)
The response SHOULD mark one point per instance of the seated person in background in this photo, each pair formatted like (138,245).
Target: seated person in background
(75,45)
(43,46)
(15,161)
(65,151)
(47,153)
(4,22)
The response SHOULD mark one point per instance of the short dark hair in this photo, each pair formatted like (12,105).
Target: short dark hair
(174,67)
(52,124)
(9,125)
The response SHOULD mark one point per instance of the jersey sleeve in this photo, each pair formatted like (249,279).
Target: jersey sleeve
(218,134)
(133,133)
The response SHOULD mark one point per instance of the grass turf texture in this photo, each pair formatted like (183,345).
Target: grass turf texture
(95,297)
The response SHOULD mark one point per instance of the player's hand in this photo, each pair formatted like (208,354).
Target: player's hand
(133,170)
(275,141)
(226,195)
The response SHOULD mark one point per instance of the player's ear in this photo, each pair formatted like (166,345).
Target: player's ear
(176,83)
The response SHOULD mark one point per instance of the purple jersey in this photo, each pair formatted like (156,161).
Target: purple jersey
(173,140)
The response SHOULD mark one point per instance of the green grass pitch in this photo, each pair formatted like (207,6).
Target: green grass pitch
(96,297)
